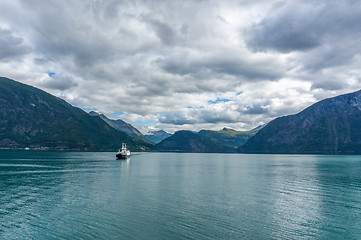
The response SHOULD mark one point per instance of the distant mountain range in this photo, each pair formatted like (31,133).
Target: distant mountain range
(32,118)
(187,141)
(331,126)
(225,140)
(122,126)
(157,136)
(229,137)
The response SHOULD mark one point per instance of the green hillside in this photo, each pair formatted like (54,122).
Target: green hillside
(187,141)
(229,137)
(30,117)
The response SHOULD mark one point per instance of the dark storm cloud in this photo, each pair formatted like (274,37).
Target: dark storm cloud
(11,46)
(212,115)
(59,82)
(305,25)
(257,109)
(164,32)
(89,33)
(218,117)
(329,84)
(331,55)
(219,64)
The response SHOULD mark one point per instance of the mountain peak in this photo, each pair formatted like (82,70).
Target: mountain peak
(227,129)
(93,113)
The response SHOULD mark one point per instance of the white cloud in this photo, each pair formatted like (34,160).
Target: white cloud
(162,63)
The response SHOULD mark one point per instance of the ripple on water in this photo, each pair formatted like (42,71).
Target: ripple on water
(180,196)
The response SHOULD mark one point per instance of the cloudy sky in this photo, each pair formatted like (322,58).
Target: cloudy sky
(193,65)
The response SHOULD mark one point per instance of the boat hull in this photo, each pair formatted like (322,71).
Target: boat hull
(122,156)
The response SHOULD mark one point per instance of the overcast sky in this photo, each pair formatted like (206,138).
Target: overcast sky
(184,64)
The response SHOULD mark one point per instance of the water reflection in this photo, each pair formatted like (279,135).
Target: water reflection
(125,165)
(124,162)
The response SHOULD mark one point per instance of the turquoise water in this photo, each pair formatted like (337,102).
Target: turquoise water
(60,195)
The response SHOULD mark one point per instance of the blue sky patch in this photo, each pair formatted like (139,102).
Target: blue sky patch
(88,109)
(115,115)
(148,123)
(51,74)
(189,107)
(219,100)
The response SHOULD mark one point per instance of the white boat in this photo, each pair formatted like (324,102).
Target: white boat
(123,153)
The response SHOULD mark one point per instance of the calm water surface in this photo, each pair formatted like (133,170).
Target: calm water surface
(57,195)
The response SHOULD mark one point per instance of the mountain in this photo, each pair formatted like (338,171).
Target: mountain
(225,140)
(30,117)
(122,126)
(187,141)
(331,126)
(229,137)
(157,136)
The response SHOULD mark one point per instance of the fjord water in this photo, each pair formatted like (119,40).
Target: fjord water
(67,195)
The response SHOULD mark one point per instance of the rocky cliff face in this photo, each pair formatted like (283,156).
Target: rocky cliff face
(331,126)
(30,117)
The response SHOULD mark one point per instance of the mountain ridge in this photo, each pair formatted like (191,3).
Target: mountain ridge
(226,140)
(330,126)
(33,118)
(187,141)
(122,126)
(157,136)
